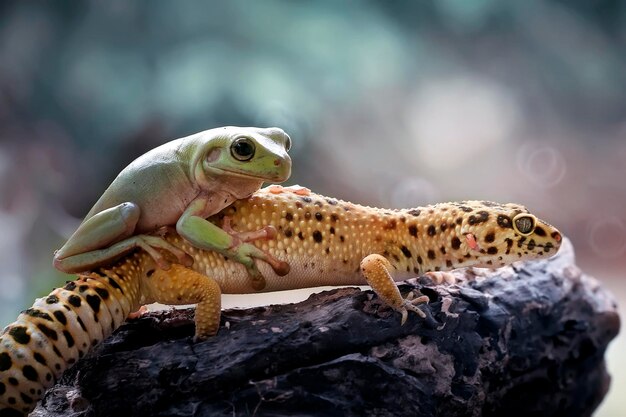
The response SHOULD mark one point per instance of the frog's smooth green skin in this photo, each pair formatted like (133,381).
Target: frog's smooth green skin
(181,183)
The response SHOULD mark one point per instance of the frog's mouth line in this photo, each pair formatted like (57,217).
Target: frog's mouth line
(249,176)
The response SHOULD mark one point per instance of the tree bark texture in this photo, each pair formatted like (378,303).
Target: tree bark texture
(527,340)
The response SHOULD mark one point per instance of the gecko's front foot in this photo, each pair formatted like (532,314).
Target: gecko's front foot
(375,269)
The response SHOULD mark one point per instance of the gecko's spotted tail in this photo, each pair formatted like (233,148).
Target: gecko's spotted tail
(58,330)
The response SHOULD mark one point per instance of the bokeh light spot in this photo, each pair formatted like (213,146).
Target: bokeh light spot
(543,165)
(607,237)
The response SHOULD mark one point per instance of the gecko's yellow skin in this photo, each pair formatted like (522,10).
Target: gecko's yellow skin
(325,241)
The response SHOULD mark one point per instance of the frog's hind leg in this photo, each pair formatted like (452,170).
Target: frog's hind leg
(96,258)
(108,235)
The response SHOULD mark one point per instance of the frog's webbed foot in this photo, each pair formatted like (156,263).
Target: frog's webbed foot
(375,269)
(151,243)
(241,245)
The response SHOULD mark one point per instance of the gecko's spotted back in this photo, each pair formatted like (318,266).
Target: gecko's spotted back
(324,239)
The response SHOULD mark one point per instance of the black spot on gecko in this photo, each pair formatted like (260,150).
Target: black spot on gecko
(57,352)
(50,334)
(413,230)
(40,358)
(307,215)
(531,244)
(60,316)
(83,288)
(455,243)
(490,237)
(342,239)
(539,231)
(396,257)
(3,389)
(19,334)
(443,227)
(94,302)
(459,220)
(70,285)
(443,250)
(448,263)
(419,260)
(521,241)
(115,285)
(306,199)
(331,202)
(5,361)
(300,236)
(334,218)
(480,217)
(319,217)
(52,299)
(74,300)
(331,230)
(431,230)
(25,398)
(509,245)
(504,222)
(466,209)
(416,270)
(80,321)
(30,373)
(414,212)
(318,203)
(288,232)
(33,312)
(102,292)
(289,216)
(317,236)
(431,254)
(13,381)
(327,250)
(405,251)
(492,250)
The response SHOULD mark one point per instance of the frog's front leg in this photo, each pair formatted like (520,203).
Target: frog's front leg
(375,269)
(203,234)
(106,236)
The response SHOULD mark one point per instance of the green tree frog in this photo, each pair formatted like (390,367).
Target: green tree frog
(181,183)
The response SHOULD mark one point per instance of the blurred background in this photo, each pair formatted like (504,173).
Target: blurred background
(388,103)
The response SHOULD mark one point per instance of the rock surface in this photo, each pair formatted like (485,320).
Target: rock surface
(524,340)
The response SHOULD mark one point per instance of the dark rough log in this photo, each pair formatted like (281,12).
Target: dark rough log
(526,340)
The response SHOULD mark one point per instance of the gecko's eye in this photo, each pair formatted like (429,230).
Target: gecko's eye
(242,149)
(288,144)
(524,224)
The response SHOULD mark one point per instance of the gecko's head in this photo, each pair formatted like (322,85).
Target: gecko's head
(503,233)
(258,154)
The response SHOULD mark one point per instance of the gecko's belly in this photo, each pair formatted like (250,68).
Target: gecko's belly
(304,273)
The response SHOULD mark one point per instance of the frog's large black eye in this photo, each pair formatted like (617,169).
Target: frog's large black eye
(524,224)
(242,149)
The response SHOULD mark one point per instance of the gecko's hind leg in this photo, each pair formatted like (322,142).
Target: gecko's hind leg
(375,269)
(181,285)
